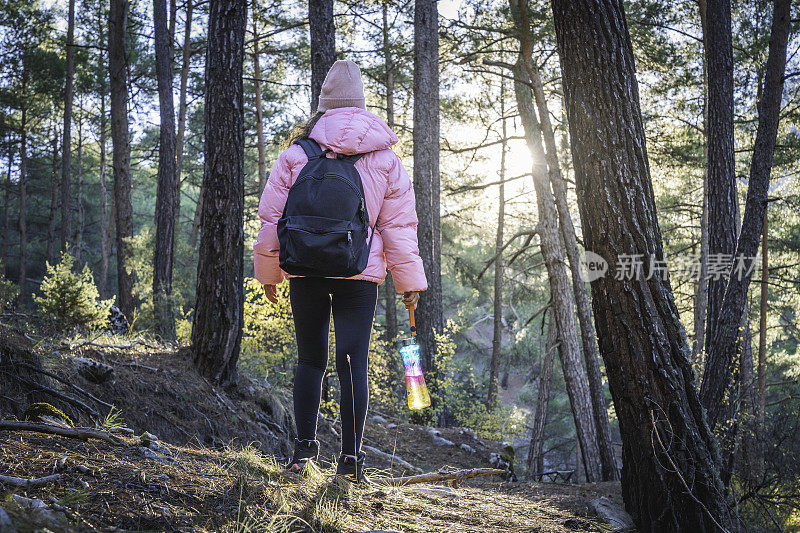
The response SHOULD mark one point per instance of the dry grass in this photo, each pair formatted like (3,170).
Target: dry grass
(107,487)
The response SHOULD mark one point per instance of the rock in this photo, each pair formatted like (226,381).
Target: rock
(5,523)
(122,430)
(83,484)
(612,513)
(434,432)
(150,454)
(61,464)
(470,432)
(437,491)
(148,440)
(439,441)
(377,419)
(117,323)
(391,425)
(38,513)
(467,448)
(94,371)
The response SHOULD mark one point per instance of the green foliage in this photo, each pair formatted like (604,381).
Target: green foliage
(8,291)
(70,298)
(268,342)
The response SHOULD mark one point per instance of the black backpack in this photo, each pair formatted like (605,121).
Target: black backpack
(324,227)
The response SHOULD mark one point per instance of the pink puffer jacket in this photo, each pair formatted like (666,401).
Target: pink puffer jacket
(387,188)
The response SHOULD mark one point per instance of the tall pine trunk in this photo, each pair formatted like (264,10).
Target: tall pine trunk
(497,312)
(581,294)
(121,160)
(22,219)
(552,247)
(54,190)
(323,45)
(389,292)
(536,450)
(758,466)
(66,156)
(6,209)
(218,320)
(181,132)
(670,480)
(79,199)
(429,316)
(167,193)
(723,345)
(262,145)
(105,245)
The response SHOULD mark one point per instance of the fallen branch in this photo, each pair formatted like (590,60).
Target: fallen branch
(389,457)
(61,396)
(113,346)
(28,483)
(441,475)
(135,365)
(73,433)
(67,383)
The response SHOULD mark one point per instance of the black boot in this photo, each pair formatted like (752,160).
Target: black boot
(351,467)
(304,450)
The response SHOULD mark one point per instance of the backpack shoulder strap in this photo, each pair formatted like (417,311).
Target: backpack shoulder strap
(351,158)
(311,148)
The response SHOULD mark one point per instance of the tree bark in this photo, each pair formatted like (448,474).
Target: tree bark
(758,467)
(430,320)
(722,347)
(389,292)
(323,45)
(121,160)
(217,331)
(262,147)
(54,190)
(6,209)
(568,233)
(670,480)
(722,198)
(185,60)
(535,452)
(66,137)
(79,199)
(22,219)
(701,293)
(105,245)
(552,247)
(166,195)
(497,312)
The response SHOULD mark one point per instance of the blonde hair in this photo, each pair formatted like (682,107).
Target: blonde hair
(302,131)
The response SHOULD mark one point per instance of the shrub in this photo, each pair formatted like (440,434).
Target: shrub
(70,298)
(8,291)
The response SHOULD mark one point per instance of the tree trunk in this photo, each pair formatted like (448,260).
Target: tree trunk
(758,466)
(66,156)
(588,343)
(323,45)
(180,134)
(535,452)
(701,293)
(6,209)
(670,480)
(79,202)
(164,249)
(497,331)
(722,347)
(722,196)
(105,245)
(217,331)
(389,292)
(430,321)
(51,218)
(121,160)
(552,246)
(22,220)
(262,147)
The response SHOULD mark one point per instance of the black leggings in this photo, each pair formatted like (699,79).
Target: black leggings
(353,305)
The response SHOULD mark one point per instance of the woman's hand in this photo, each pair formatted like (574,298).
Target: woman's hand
(272,293)
(410,299)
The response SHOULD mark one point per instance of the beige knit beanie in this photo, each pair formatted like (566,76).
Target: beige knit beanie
(342,87)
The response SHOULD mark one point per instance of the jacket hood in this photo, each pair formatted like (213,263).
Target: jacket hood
(351,130)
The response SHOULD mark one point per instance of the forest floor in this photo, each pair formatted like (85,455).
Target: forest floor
(186,456)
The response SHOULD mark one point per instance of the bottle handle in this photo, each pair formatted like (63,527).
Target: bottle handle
(411,321)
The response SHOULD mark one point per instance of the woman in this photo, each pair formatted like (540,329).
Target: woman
(344,126)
